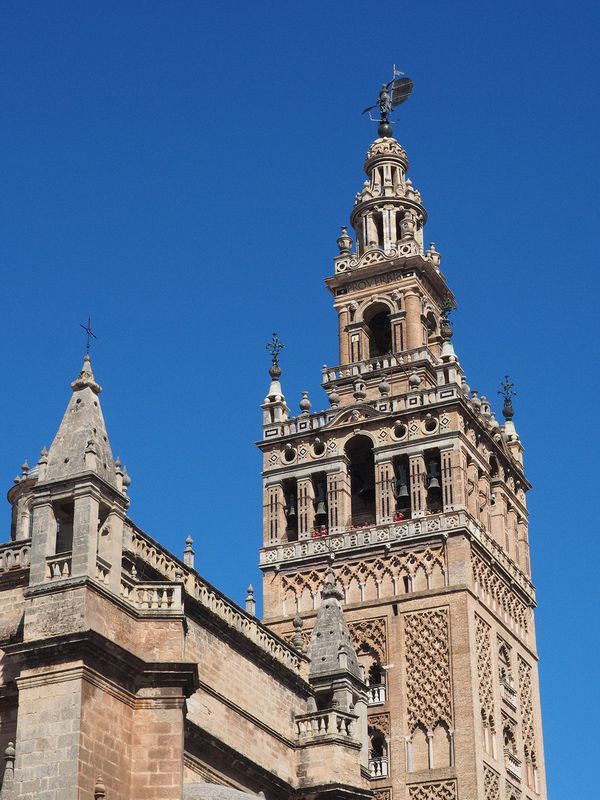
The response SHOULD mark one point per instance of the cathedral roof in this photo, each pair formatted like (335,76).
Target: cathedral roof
(81,443)
(331,650)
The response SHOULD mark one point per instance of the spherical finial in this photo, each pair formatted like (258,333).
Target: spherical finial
(384,129)
(384,387)
(414,379)
(305,404)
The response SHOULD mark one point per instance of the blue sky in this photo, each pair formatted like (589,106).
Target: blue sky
(179,171)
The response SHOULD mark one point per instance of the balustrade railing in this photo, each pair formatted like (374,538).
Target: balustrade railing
(378,767)
(341,539)
(102,570)
(509,693)
(152,596)
(15,555)
(388,361)
(376,694)
(58,566)
(324,723)
(513,764)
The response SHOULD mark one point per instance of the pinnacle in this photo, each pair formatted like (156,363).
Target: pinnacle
(86,377)
(81,443)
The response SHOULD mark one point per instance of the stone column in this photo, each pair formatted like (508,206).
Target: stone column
(343,319)
(114,551)
(338,499)
(85,532)
(384,497)
(414,326)
(447,479)
(497,516)
(306,507)
(43,538)
(273,514)
(416,472)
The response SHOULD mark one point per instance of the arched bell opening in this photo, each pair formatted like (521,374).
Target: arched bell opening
(359,451)
(290,493)
(321,507)
(401,489)
(379,329)
(64,512)
(433,482)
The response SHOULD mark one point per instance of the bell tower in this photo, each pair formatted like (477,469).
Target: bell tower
(411,491)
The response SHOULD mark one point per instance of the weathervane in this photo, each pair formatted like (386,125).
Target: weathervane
(89,334)
(275,346)
(507,391)
(391,95)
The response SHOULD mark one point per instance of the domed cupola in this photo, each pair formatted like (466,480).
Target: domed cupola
(388,214)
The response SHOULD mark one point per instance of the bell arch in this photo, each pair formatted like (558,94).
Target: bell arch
(359,451)
(378,327)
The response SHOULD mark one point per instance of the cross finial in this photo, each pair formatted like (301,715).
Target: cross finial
(275,346)
(507,391)
(89,334)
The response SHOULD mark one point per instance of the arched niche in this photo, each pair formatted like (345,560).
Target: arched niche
(359,450)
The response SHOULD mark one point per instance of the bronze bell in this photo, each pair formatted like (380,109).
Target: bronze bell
(290,510)
(399,486)
(320,510)
(433,482)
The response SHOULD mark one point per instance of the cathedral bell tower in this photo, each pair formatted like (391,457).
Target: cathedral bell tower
(411,491)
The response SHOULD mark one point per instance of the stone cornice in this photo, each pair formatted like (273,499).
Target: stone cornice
(121,666)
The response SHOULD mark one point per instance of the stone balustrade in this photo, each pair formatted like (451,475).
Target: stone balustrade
(210,598)
(376,694)
(509,693)
(58,567)
(152,596)
(102,570)
(331,374)
(15,555)
(378,767)
(358,539)
(512,763)
(325,723)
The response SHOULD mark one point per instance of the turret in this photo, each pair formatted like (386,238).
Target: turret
(73,504)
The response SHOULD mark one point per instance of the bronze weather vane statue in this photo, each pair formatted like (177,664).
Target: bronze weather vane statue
(391,95)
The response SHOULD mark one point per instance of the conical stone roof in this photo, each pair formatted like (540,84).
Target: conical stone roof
(331,639)
(82,431)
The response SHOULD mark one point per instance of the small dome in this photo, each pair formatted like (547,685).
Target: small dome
(386,146)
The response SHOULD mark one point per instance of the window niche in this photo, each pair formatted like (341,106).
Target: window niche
(379,329)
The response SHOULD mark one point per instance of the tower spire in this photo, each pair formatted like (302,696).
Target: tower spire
(81,443)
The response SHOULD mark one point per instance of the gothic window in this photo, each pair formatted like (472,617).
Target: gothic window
(441,747)
(362,480)
(419,750)
(373,674)
(379,329)
(378,754)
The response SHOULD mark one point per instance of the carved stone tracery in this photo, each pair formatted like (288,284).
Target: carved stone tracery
(526,701)
(369,579)
(483,647)
(438,790)
(491,783)
(427,654)
(498,595)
